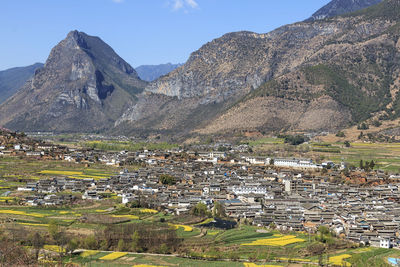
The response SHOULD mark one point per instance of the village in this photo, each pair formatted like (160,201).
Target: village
(289,194)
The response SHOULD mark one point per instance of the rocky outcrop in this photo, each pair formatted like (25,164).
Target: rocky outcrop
(229,79)
(340,7)
(84,86)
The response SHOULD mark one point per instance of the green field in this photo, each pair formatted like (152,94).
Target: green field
(16,172)
(205,248)
(385,155)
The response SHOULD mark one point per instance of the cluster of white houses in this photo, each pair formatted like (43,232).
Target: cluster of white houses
(294,163)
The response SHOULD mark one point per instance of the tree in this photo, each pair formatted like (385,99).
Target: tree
(372,164)
(323,233)
(135,241)
(37,242)
(362,126)
(104,245)
(340,134)
(361,164)
(366,166)
(167,179)
(53,229)
(346,143)
(200,210)
(72,245)
(90,242)
(295,140)
(121,245)
(163,249)
(218,210)
(376,123)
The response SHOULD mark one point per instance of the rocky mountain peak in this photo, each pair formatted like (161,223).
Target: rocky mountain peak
(83,84)
(340,7)
(78,38)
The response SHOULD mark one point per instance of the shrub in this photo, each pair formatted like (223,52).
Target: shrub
(167,179)
(363,126)
(340,134)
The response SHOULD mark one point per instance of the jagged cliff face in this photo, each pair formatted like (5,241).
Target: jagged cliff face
(340,7)
(228,79)
(351,75)
(84,86)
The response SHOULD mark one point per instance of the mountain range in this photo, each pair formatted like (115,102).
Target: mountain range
(13,79)
(151,73)
(323,74)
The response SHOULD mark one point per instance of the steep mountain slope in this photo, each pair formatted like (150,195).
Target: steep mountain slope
(340,7)
(13,79)
(317,75)
(351,76)
(151,73)
(84,86)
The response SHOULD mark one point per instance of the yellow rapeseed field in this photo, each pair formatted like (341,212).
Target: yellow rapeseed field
(54,248)
(7,198)
(277,241)
(147,211)
(113,256)
(17,212)
(88,253)
(339,260)
(213,232)
(35,224)
(186,228)
(206,221)
(64,212)
(100,211)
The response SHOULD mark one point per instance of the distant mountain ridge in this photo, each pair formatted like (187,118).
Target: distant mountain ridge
(151,73)
(340,7)
(13,79)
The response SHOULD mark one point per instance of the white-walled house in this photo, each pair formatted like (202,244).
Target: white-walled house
(295,163)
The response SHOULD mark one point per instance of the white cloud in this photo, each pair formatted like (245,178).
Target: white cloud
(178,4)
(192,3)
(118,1)
(184,5)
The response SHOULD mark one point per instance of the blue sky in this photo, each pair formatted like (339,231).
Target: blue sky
(140,31)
